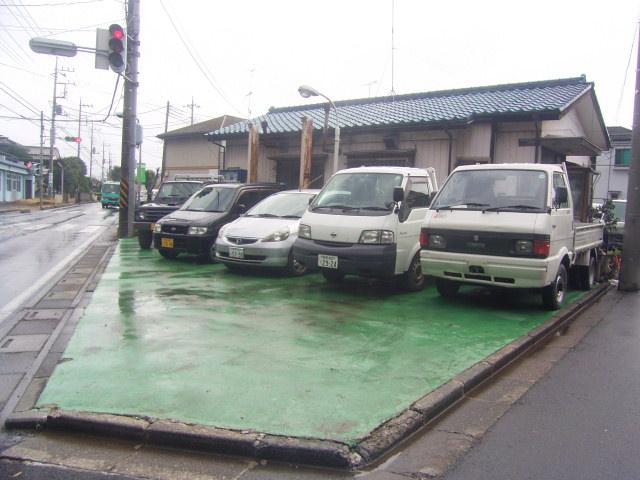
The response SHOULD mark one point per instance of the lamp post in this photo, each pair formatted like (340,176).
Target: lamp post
(306,91)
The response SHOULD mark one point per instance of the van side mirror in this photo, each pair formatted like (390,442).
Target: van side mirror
(562,196)
(398,194)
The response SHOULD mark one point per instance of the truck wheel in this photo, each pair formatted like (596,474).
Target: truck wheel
(332,276)
(169,254)
(553,295)
(144,240)
(587,275)
(413,279)
(447,288)
(294,267)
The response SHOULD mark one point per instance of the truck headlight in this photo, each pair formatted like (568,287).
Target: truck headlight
(437,241)
(304,231)
(377,237)
(157,228)
(278,236)
(197,230)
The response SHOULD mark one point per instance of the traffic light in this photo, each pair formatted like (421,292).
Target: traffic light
(116,48)
(73,139)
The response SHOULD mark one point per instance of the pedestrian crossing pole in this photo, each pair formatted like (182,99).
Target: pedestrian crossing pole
(128,157)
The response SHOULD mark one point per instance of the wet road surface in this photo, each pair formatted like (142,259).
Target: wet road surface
(35,247)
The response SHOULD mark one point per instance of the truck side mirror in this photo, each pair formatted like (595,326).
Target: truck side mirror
(398,194)
(562,196)
(241,208)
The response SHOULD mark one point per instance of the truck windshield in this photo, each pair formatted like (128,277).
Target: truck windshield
(111,188)
(282,205)
(366,193)
(494,190)
(177,190)
(211,199)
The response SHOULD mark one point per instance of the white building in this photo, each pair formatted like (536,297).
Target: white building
(613,167)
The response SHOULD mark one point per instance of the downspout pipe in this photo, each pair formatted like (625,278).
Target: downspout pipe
(448,132)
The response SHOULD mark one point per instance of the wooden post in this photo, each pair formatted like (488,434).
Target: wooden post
(253,154)
(306,145)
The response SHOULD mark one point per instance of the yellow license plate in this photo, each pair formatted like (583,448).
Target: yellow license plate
(166,242)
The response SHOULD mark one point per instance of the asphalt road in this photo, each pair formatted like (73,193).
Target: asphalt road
(35,247)
(581,420)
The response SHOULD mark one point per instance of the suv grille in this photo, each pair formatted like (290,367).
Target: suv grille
(177,229)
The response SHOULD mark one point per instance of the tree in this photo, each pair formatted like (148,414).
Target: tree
(75,179)
(114,174)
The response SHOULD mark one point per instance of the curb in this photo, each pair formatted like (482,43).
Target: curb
(314,452)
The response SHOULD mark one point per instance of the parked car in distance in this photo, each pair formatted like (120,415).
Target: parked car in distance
(366,221)
(110,195)
(170,196)
(264,236)
(615,236)
(193,228)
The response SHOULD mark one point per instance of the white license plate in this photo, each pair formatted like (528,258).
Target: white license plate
(235,252)
(328,261)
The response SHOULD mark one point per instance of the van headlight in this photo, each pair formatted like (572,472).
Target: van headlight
(278,236)
(157,228)
(304,231)
(197,230)
(377,237)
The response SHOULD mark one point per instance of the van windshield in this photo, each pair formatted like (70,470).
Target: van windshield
(364,193)
(211,199)
(494,190)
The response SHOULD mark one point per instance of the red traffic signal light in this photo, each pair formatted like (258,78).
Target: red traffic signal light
(73,139)
(116,48)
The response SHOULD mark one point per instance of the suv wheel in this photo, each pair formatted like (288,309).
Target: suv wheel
(145,239)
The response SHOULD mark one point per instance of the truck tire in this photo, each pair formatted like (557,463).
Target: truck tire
(587,275)
(169,254)
(332,276)
(413,279)
(144,240)
(553,295)
(447,288)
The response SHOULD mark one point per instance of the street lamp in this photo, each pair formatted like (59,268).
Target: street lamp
(306,91)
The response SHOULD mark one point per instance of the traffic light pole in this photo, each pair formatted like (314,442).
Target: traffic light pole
(128,157)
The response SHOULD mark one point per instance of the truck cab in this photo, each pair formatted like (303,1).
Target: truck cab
(110,195)
(511,226)
(366,221)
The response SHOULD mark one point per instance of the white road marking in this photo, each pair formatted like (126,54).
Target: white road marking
(39,226)
(64,227)
(90,229)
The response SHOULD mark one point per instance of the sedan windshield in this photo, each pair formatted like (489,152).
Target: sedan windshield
(283,205)
(494,190)
(211,199)
(358,191)
(177,190)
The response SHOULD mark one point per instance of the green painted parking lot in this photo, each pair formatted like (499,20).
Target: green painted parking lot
(266,353)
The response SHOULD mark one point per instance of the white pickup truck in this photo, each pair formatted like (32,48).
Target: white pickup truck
(366,221)
(508,225)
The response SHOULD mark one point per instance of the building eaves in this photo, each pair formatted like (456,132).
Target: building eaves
(198,129)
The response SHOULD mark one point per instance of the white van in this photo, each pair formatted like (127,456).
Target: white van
(366,221)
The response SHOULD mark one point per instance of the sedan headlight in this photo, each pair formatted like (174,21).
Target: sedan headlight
(278,236)
(197,230)
(377,237)
(157,228)
(304,231)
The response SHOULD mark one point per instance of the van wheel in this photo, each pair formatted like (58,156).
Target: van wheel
(447,288)
(587,275)
(413,279)
(553,295)
(294,267)
(144,240)
(332,276)
(169,254)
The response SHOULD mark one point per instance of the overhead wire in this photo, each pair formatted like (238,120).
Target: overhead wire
(626,70)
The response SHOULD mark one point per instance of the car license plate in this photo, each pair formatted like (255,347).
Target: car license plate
(235,252)
(328,261)
(166,242)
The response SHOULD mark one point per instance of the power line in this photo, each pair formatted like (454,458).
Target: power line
(62,4)
(626,70)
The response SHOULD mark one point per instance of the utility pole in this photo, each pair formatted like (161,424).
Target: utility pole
(630,269)
(102,169)
(192,105)
(52,139)
(128,157)
(91,161)
(109,169)
(80,123)
(41,155)
(164,144)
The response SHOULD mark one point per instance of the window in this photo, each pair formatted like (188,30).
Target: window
(558,181)
(418,196)
(623,157)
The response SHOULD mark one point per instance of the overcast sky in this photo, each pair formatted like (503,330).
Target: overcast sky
(232,57)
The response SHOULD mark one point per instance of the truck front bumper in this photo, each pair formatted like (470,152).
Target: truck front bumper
(353,259)
(508,272)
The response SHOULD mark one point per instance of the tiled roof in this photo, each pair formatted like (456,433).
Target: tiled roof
(619,134)
(441,107)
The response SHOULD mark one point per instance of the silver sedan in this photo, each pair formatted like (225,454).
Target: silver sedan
(264,236)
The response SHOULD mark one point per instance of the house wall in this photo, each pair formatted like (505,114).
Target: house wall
(194,156)
(611,178)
